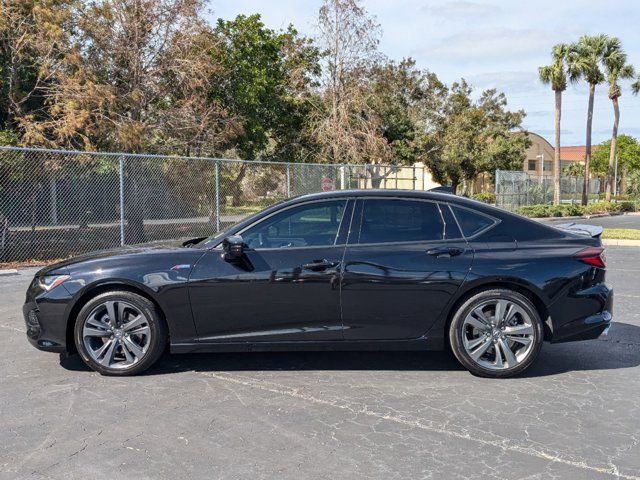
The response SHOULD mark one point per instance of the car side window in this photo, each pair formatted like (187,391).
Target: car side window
(397,220)
(471,222)
(313,224)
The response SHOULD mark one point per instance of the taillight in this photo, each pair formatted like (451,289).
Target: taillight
(593,256)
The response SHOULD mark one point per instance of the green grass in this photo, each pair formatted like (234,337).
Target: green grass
(241,210)
(621,234)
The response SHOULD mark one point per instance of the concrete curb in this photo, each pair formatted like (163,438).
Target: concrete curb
(8,271)
(620,243)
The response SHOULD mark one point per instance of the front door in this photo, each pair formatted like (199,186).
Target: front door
(401,268)
(287,290)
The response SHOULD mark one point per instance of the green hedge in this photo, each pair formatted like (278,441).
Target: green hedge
(486,197)
(573,210)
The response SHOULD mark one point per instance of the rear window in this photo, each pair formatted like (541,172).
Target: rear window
(471,222)
(394,220)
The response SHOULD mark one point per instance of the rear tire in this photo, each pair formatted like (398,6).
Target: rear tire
(496,333)
(120,333)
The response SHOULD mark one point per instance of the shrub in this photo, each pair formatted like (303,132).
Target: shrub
(574,210)
(627,206)
(486,197)
(534,211)
(633,184)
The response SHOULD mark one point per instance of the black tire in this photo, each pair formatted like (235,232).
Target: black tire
(456,332)
(157,332)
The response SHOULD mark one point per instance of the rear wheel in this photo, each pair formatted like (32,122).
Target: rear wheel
(120,333)
(496,333)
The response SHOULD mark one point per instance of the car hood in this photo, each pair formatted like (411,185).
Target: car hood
(156,246)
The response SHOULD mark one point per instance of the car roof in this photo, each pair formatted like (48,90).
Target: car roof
(377,192)
(397,193)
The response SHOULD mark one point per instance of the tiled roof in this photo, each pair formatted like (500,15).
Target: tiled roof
(575,153)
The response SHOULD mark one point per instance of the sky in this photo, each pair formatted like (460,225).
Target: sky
(492,44)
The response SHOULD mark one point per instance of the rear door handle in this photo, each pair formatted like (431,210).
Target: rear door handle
(319,265)
(444,252)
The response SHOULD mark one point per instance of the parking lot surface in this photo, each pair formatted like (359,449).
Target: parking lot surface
(575,414)
(613,221)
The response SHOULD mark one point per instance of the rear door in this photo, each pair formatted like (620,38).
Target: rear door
(404,260)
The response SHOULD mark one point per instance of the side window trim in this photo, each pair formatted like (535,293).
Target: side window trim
(346,200)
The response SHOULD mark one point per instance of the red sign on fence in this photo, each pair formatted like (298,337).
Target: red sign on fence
(328,184)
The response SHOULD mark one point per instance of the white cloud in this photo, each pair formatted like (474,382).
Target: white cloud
(455,10)
(499,43)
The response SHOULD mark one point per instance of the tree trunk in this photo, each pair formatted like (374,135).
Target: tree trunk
(454,185)
(235,187)
(556,159)
(587,156)
(612,152)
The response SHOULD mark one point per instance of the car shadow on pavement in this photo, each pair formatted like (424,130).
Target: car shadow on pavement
(619,350)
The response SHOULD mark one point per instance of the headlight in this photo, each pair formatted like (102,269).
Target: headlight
(49,282)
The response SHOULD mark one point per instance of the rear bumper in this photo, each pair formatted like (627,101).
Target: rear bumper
(585,316)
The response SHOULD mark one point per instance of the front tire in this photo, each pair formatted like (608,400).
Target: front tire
(496,333)
(120,333)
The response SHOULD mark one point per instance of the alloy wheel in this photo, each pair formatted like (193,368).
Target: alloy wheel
(116,334)
(498,334)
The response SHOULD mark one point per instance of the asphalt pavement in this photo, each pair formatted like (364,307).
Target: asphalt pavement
(613,221)
(575,414)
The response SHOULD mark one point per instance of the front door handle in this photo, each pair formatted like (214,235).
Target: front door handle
(444,252)
(319,265)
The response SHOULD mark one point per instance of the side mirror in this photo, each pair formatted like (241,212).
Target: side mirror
(233,248)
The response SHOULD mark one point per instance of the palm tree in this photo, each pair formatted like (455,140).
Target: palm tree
(556,76)
(616,68)
(635,86)
(583,62)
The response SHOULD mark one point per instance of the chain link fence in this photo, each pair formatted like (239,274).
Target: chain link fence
(515,189)
(54,203)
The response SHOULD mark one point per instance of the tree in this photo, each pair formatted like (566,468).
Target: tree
(635,86)
(34,37)
(119,80)
(408,104)
(264,85)
(583,62)
(616,68)
(122,73)
(345,127)
(476,137)
(556,76)
(627,153)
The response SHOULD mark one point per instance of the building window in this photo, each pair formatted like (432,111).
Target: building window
(532,164)
(547,166)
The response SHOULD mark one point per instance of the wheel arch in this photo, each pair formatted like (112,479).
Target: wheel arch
(96,289)
(521,287)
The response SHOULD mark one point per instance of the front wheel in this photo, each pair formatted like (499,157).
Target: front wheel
(496,333)
(120,333)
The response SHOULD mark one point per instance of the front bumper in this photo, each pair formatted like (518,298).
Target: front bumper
(42,334)
(584,316)
(45,314)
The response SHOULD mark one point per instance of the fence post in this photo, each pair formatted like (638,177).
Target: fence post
(121,174)
(414,177)
(288,180)
(217,196)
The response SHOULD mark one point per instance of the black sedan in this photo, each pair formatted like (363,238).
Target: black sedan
(345,270)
